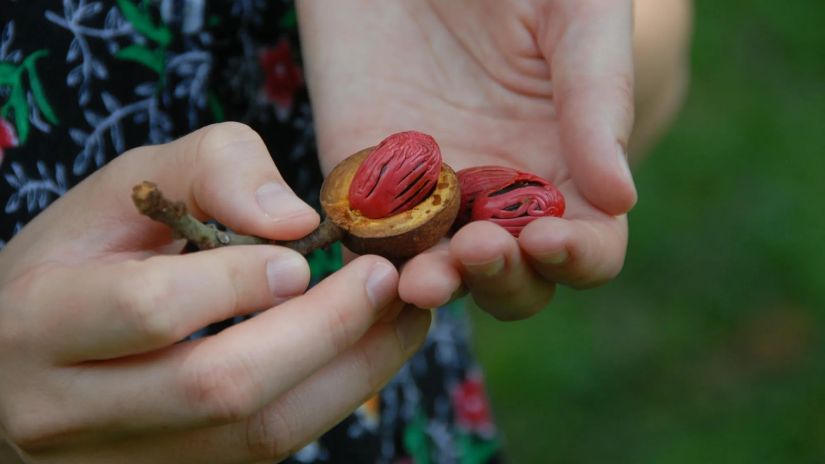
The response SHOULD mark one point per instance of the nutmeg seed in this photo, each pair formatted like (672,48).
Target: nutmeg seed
(401,171)
(400,235)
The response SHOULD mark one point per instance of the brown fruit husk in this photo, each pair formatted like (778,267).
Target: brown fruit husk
(400,236)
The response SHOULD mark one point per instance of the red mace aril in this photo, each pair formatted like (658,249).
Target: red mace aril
(398,175)
(506,196)
(476,180)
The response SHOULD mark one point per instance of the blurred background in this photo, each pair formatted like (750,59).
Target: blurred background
(709,347)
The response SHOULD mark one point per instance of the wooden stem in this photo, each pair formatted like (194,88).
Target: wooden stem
(151,202)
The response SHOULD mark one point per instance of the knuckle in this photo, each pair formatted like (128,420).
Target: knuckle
(214,140)
(141,301)
(371,369)
(18,319)
(218,146)
(342,329)
(29,432)
(223,391)
(22,434)
(10,336)
(269,433)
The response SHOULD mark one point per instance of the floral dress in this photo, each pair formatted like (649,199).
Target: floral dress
(82,81)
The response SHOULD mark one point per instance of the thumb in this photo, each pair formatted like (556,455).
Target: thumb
(222,172)
(592,63)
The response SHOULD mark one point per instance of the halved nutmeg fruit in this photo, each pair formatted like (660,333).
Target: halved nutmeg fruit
(395,200)
(398,180)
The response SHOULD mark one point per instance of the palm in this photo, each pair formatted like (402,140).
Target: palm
(486,98)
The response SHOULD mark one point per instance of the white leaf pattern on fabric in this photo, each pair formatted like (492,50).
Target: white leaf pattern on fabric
(12,180)
(60,174)
(35,115)
(113,19)
(88,10)
(6,38)
(93,118)
(7,34)
(99,69)
(13,203)
(43,169)
(94,147)
(146,89)
(71,19)
(78,136)
(74,77)
(69,7)
(36,192)
(74,51)
(110,101)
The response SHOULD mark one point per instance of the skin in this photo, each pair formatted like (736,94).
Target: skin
(94,299)
(661,48)
(543,86)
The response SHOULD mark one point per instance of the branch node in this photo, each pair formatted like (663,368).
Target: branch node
(151,202)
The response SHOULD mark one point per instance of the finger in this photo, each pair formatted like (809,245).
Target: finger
(295,418)
(498,278)
(430,279)
(233,179)
(592,71)
(327,397)
(580,253)
(105,311)
(230,376)
(223,171)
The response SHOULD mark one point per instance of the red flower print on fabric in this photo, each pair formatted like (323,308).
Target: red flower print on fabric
(8,138)
(282,76)
(471,406)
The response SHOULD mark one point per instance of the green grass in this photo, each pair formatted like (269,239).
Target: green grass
(709,347)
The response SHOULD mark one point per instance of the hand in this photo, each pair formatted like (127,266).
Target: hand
(544,86)
(95,300)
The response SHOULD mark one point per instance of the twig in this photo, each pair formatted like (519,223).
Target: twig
(151,202)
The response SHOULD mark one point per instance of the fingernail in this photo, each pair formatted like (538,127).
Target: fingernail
(410,325)
(381,284)
(279,202)
(488,269)
(286,276)
(555,258)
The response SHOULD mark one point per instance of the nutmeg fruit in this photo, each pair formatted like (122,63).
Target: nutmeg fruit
(398,236)
(406,199)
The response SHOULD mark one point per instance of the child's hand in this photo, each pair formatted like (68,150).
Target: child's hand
(95,300)
(540,85)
